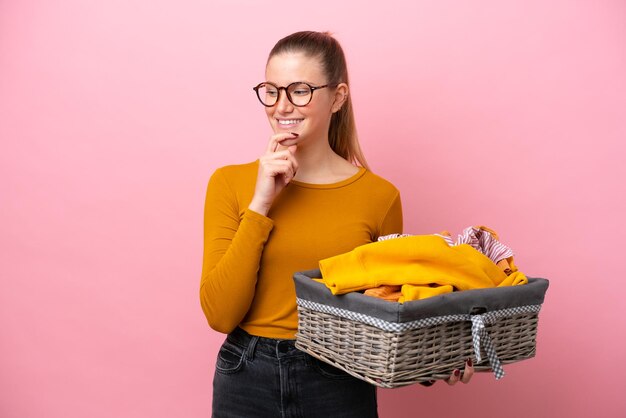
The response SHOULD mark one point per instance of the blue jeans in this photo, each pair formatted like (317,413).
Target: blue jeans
(265,377)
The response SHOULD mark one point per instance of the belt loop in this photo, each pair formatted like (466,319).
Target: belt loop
(251,347)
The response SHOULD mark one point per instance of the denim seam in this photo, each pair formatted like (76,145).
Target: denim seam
(251,348)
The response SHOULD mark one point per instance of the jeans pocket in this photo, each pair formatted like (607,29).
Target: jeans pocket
(230,358)
(329,371)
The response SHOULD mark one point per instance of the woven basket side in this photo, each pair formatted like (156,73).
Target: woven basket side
(392,359)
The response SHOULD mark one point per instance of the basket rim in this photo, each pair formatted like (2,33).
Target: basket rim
(455,303)
(418,323)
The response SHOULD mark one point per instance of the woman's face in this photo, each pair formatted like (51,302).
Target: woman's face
(310,122)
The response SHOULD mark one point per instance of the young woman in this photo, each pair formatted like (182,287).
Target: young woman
(308,197)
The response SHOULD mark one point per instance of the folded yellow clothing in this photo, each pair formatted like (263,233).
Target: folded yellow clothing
(413,260)
(514,279)
(415,292)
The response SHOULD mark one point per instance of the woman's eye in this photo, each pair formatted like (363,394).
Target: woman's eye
(301,92)
(272,93)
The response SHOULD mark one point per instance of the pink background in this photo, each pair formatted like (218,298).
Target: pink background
(113,115)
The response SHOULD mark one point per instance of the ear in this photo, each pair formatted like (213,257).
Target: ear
(341,95)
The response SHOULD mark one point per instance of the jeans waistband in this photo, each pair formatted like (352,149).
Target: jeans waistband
(269,346)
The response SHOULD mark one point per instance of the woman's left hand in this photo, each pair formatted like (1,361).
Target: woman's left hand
(457,376)
(464,377)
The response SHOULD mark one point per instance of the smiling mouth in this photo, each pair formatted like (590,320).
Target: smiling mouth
(289,122)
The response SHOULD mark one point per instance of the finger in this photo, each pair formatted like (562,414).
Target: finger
(276,139)
(468,372)
(286,155)
(278,167)
(454,378)
(272,145)
(285,143)
(282,171)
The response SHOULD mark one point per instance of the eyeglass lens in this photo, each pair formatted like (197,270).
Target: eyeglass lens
(299,94)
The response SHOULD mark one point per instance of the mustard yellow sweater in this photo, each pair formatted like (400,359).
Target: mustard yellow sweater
(249,259)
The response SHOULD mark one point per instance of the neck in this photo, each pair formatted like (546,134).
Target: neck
(318,163)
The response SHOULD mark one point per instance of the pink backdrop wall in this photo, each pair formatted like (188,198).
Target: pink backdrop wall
(114,114)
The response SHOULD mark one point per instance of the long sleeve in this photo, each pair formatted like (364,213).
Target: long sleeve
(233,245)
(392,222)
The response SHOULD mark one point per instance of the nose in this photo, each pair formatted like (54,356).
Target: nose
(284,105)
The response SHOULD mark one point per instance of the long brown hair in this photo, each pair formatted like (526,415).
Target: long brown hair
(342,135)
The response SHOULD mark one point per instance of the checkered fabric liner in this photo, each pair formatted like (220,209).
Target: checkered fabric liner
(479,331)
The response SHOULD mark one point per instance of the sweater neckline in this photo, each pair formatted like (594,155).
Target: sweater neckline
(335,185)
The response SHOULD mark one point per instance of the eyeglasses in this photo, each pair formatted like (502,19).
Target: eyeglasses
(298,93)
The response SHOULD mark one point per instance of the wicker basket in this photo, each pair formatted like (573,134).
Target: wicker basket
(391,344)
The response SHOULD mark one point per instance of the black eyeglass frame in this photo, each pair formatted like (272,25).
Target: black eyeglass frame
(278,89)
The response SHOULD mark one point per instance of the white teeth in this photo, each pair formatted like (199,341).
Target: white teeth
(289,122)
